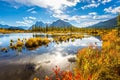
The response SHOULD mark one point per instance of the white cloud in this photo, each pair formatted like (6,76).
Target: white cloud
(92,5)
(70,18)
(84,20)
(92,19)
(32,10)
(33,18)
(27,21)
(103,17)
(16,7)
(88,23)
(95,3)
(106,1)
(57,8)
(112,10)
(93,13)
(108,9)
(54,5)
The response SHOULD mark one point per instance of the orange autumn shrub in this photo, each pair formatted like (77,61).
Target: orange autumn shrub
(95,64)
(87,62)
(36,78)
(111,44)
(67,75)
(92,62)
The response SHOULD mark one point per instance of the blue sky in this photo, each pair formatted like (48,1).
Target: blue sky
(80,13)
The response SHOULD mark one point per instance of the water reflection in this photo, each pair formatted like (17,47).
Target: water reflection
(63,48)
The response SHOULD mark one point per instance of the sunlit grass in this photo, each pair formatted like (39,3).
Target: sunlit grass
(64,38)
(36,42)
(6,31)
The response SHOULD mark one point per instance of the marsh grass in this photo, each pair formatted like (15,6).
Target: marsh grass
(6,31)
(17,45)
(36,42)
(65,38)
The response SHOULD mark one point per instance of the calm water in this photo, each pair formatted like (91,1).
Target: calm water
(64,48)
(45,57)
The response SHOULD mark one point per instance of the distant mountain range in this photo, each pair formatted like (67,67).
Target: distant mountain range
(61,23)
(106,24)
(4,26)
(58,23)
(13,27)
(38,24)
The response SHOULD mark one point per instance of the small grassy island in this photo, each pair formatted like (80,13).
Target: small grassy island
(36,42)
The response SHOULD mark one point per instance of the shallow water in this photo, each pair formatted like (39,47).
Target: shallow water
(45,57)
(64,48)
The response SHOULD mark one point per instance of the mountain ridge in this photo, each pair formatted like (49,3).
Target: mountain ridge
(111,23)
(60,23)
(38,24)
(13,27)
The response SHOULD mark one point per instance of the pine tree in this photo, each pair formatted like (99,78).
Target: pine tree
(46,27)
(118,23)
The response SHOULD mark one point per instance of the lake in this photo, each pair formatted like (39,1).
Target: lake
(64,48)
(47,56)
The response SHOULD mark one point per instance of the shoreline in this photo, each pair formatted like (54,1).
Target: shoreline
(37,67)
